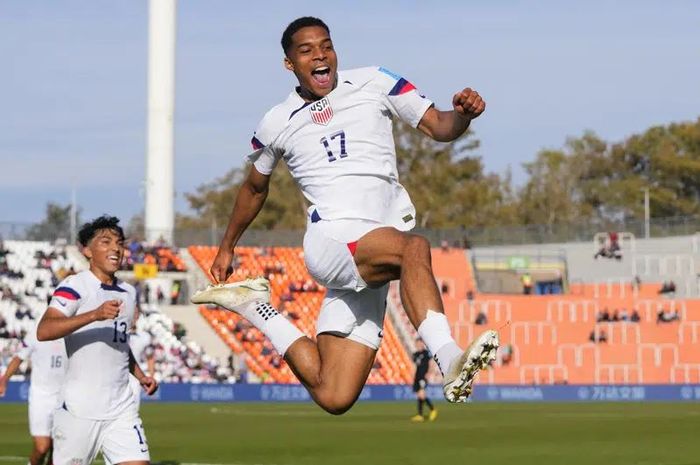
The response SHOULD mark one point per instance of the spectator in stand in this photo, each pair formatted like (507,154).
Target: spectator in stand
(470,296)
(611,249)
(481,319)
(603,316)
(668,288)
(616,315)
(146,293)
(526,279)
(598,335)
(624,315)
(634,318)
(160,296)
(174,292)
(242,371)
(506,355)
(444,288)
(636,283)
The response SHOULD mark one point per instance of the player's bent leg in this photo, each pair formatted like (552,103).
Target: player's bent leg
(124,441)
(386,254)
(333,370)
(75,440)
(41,449)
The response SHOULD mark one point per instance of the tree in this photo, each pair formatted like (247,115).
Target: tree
(55,225)
(447,184)
(285,207)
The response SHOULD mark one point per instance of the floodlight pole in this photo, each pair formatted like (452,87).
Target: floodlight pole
(159,217)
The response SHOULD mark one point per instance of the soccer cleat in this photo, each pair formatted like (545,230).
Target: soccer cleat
(417,418)
(432,415)
(234,296)
(457,385)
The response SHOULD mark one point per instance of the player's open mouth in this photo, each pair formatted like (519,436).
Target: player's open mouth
(113,259)
(322,76)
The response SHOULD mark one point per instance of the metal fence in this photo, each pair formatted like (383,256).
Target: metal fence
(472,237)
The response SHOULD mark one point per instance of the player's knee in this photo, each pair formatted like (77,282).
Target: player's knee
(336,404)
(42,448)
(417,247)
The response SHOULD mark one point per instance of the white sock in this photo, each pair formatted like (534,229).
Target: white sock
(281,332)
(435,332)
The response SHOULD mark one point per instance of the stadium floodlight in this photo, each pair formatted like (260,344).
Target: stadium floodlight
(159,217)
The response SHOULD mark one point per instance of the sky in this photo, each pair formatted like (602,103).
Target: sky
(73,82)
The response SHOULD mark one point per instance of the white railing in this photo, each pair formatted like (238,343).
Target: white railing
(618,333)
(551,373)
(663,265)
(460,329)
(612,370)
(495,310)
(539,326)
(693,327)
(587,308)
(578,351)
(687,369)
(651,307)
(657,351)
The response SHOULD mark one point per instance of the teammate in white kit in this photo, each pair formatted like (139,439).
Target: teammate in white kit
(334,131)
(48,361)
(93,312)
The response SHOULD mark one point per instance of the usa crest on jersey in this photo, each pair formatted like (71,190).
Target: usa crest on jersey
(321,111)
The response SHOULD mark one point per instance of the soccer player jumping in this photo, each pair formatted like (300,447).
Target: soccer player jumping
(334,131)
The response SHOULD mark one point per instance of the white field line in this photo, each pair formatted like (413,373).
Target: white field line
(14,458)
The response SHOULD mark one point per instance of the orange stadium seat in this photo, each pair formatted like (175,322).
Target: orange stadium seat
(393,363)
(549,335)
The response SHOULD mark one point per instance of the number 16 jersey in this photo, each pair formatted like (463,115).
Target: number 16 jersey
(340,149)
(96,383)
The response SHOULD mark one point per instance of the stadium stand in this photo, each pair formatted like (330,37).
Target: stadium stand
(549,339)
(295,294)
(30,271)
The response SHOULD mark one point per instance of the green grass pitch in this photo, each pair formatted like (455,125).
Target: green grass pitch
(381,433)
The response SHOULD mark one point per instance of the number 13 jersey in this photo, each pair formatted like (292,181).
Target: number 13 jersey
(96,384)
(340,149)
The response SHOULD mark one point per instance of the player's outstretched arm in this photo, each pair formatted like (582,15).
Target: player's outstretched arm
(248,204)
(11,370)
(446,126)
(149,384)
(55,324)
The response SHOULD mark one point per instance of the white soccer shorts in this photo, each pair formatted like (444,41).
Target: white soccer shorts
(76,441)
(350,308)
(41,410)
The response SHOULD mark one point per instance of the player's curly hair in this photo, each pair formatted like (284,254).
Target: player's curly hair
(88,230)
(299,23)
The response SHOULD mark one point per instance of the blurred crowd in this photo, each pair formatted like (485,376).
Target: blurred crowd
(159,253)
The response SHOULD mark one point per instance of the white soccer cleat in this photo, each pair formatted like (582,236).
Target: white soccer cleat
(234,296)
(457,385)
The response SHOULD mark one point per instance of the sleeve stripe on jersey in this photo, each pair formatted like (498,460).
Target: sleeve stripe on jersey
(66,293)
(401,87)
(257,145)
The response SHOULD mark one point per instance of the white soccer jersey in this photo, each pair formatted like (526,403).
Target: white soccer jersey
(139,341)
(48,359)
(97,378)
(340,149)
